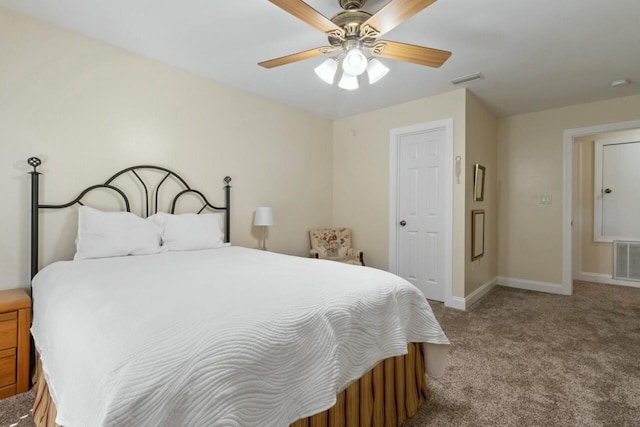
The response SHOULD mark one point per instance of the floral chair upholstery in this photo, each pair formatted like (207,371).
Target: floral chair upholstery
(334,244)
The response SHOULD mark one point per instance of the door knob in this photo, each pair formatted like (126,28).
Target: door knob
(607,190)
(403,223)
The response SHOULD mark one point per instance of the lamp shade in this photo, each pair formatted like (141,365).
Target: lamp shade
(327,70)
(376,70)
(348,82)
(264,216)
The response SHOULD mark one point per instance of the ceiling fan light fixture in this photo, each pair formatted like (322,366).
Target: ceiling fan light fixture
(327,70)
(354,62)
(376,70)
(353,36)
(348,82)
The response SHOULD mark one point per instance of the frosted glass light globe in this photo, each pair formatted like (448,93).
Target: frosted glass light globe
(327,70)
(348,82)
(376,70)
(354,63)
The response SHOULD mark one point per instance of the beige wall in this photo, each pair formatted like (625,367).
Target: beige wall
(89,109)
(595,257)
(481,147)
(361,174)
(86,107)
(530,163)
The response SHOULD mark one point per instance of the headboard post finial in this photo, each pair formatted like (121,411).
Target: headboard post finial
(34,162)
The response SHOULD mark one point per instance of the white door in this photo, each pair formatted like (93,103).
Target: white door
(422,208)
(617,199)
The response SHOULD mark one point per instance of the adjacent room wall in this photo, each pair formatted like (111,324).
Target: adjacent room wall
(530,164)
(361,175)
(481,147)
(89,109)
(595,257)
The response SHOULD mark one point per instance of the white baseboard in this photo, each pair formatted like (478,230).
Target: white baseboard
(479,293)
(457,302)
(606,279)
(530,285)
(463,304)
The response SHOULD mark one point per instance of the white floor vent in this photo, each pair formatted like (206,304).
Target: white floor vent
(626,260)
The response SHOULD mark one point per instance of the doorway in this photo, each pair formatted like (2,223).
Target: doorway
(421,199)
(574,166)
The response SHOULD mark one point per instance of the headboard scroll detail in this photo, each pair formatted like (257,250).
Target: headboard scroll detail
(109,184)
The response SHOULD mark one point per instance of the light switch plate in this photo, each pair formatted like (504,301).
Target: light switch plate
(545,199)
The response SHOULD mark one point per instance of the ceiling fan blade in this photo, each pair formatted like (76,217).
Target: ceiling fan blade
(410,53)
(395,13)
(306,13)
(300,56)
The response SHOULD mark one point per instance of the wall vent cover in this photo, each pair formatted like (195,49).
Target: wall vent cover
(626,260)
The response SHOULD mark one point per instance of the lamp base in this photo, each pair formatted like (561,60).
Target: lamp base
(264,239)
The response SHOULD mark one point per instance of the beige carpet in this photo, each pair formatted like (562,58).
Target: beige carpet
(523,358)
(15,411)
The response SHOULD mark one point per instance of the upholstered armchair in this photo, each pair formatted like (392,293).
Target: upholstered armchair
(334,244)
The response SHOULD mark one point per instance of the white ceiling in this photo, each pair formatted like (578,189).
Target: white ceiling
(534,54)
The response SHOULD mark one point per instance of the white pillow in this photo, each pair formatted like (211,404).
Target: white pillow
(191,232)
(111,234)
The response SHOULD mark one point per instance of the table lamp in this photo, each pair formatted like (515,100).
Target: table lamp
(264,218)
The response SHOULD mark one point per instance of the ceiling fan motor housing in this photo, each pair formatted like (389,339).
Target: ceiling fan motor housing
(350,21)
(351,4)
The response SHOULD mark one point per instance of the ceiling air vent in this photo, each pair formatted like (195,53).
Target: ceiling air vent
(468,78)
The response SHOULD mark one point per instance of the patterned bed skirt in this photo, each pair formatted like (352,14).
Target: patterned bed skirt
(383,397)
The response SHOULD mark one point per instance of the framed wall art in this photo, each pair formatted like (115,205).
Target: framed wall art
(478,183)
(477,234)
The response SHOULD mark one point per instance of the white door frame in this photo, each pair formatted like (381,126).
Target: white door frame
(576,261)
(447,126)
(567,208)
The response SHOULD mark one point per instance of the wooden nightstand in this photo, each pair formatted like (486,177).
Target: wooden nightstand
(15,321)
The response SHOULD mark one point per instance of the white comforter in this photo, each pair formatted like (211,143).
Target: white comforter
(223,337)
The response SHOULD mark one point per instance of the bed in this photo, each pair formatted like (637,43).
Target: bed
(224,336)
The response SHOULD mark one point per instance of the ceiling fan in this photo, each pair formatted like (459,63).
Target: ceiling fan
(354,32)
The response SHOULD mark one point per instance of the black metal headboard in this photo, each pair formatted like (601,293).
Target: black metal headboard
(109,185)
